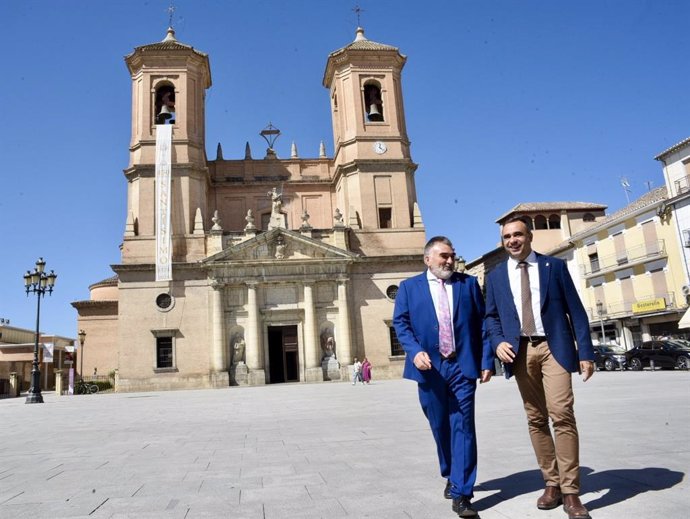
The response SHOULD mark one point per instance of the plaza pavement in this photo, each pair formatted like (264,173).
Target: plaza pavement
(331,450)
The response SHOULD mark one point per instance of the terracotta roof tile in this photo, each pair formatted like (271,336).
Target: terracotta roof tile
(551,206)
(672,149)
(649,198)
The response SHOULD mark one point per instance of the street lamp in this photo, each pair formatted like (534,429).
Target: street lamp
(600,311)
(37,282)
(82,338)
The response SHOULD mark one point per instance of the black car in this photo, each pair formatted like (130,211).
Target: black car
(668,353)
(610,357)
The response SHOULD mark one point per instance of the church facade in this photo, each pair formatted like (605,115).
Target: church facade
(281,270)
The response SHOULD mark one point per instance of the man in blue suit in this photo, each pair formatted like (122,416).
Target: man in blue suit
(540,331)
(438,321)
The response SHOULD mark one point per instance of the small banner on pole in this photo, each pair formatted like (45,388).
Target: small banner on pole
(48,349)
(163,190)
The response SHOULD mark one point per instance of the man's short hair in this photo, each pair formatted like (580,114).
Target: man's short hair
(518,218)
(433,241)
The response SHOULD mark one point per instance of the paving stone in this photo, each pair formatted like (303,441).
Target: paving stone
(331,451)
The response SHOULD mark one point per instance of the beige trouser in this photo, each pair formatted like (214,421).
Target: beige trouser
(547,392)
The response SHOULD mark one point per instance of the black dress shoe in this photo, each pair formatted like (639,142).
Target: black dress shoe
(446,492)
(463,507)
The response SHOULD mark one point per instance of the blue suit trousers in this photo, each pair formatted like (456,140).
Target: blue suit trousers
(447,399)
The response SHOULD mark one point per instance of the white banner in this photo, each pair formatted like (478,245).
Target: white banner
(163,188)
(48,349)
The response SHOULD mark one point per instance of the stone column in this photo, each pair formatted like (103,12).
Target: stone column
(311,360)
(218,360)
(253,337)
(342,344)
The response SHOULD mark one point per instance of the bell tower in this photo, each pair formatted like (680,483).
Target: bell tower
(373,168)
(169,82)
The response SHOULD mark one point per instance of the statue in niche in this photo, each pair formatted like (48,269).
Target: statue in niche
(280,248)
(238,349)
(328,344)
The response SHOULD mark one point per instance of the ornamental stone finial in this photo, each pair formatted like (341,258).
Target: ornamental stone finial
(250,221)
(216,221)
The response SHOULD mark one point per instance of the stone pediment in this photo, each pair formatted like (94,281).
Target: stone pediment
(281,245)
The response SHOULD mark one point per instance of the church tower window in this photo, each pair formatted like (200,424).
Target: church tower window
(385,218)
(165,105)
(373,102)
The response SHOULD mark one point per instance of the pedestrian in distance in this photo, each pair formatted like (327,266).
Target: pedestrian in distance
(366,371)
(438,320)
(357,372)
(540,331)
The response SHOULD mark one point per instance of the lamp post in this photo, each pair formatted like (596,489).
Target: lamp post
(37,282)
(82,338)
(600,311)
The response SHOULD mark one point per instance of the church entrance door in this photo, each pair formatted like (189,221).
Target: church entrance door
(283,354)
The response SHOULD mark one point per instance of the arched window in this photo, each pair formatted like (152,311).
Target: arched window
(165,105)
(540,222)
(554,221)
(588,217)
(373,104)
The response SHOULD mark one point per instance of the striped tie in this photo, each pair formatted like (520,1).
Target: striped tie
(529,328)
(445,332)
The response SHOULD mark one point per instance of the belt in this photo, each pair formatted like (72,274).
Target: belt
(533,340)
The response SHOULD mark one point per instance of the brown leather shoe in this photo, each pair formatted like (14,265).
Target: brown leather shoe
(550,499)
(574,508)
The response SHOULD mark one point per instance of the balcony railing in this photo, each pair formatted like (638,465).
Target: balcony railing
(631,256)
(682,185)
(619,309)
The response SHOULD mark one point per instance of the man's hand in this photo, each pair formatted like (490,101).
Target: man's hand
(486,376)
(505,352)
(587,369)
(422,361)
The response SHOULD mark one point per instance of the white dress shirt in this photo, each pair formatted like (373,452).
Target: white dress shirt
(516,288)
(433,287)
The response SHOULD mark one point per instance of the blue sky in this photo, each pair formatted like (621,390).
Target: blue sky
(506,101)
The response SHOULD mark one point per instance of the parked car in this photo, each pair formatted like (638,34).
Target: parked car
(668,353)
(610,357)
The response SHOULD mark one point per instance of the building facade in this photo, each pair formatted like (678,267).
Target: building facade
(631,272)
(55,355)
(282,269)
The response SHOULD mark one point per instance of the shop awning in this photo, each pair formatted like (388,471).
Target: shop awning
(685,320)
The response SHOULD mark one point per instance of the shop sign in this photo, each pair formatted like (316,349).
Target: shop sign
(649,305)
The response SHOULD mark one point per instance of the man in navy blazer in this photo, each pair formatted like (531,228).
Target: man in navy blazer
(446,379)
(540,331)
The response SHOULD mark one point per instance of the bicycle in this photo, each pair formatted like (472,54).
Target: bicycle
(84,388)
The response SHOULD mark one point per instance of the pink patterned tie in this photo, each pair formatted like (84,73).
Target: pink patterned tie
(445,333)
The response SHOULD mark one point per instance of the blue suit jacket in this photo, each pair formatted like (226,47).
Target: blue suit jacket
(564,318)
(416,326)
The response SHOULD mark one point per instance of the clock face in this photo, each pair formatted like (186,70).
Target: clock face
(380,147)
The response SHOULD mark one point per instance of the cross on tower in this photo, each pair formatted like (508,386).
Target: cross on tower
(171,10)
(358,11)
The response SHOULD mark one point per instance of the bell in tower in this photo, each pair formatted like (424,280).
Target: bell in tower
(165,105)
(372,95)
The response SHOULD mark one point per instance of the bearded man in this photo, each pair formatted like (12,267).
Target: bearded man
(438,320)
